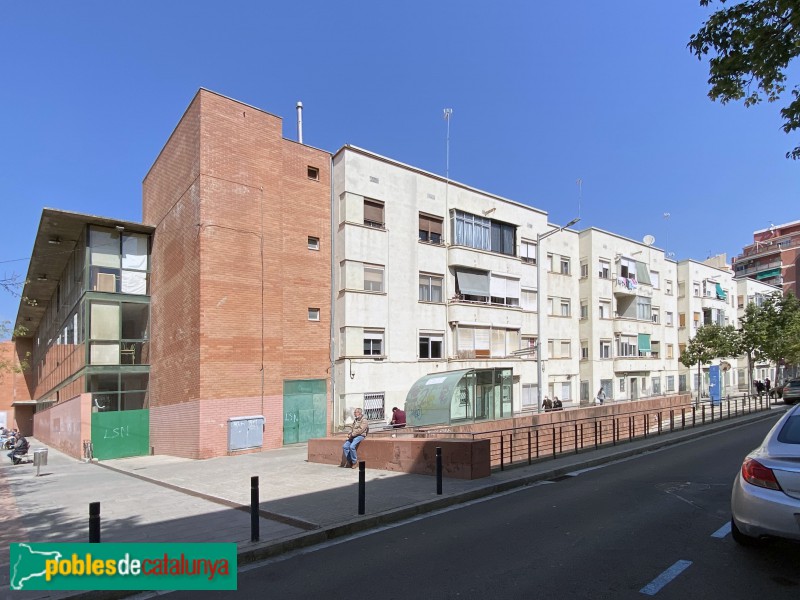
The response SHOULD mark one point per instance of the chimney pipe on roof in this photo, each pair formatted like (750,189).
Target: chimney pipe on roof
(300,122)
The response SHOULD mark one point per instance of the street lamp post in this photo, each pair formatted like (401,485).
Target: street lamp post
(539,316)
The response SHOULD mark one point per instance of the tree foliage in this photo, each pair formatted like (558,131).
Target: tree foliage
(751,45)
(710,342)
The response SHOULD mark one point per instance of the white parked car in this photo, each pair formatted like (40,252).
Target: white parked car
(766,493)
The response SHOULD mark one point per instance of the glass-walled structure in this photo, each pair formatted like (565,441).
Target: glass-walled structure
(457,397)
(87,311)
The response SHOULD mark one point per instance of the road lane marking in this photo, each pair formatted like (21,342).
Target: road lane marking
(652,588)
(722,531)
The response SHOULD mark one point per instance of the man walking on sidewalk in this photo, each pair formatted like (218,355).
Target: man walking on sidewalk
(358,431)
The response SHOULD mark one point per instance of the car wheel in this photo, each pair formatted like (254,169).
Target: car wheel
(742,539)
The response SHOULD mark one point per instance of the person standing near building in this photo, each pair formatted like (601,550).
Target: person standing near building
(601,396)
(358,431)
(767,386)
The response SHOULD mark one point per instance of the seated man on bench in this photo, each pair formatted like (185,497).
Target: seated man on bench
(20,449)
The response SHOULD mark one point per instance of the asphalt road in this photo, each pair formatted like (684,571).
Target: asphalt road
(610,532)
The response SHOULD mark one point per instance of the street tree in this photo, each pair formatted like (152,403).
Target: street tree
(751,44)
(708,343)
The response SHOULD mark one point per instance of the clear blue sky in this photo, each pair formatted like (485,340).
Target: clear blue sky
(543,94)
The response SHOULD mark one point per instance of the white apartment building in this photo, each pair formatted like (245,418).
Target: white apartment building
(706,295)
(752,291)
(628,328)
(432,276)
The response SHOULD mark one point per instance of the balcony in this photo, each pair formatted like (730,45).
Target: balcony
(630,288)
(625,326)
(636,364)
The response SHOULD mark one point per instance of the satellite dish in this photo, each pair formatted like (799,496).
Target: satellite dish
(649,240)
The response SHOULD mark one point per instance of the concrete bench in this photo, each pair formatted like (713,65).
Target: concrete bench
(461,459)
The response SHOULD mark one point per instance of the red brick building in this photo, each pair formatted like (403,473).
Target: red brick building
(240,306)
(16,406)
(773,257)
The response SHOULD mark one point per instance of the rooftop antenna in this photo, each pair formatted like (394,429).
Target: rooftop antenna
(580,194)
(666,234)
(448,112)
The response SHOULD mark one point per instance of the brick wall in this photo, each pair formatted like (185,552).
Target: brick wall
(233,277)
(65,425)
(13,386)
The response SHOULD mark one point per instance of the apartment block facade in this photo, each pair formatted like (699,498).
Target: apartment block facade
(773,257)
(628,332)
(272,288)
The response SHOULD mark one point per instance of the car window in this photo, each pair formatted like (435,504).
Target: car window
(795,383)
(790,432)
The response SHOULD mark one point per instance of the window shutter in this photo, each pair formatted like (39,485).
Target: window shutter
(373,211)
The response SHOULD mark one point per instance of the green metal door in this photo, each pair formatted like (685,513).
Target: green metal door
(121,433)
(304,410)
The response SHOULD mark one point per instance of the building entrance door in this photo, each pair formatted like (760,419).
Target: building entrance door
(305,414)
(634,388)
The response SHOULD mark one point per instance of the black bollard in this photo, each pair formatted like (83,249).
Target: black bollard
(94,522)
(255,524)
(362,487)
(438,471)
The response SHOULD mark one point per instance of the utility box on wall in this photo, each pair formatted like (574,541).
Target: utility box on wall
(245,433)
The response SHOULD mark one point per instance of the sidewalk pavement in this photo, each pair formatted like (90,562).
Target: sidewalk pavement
(168,499)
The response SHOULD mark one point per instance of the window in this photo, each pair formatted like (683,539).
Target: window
(483,234)
(374,407)
(605,269)
(621,384)
(656,385)
(584,350)
(696,289)
(670,351)
(584,311)
(605,348)
(313,173)
(528,347)
(527,252)
(740,301)
(564,268)
(655,350)
(430,288)
(668,287)
(559,348)
(584,390)
(472,285)
(430,345)
(483,342)
(655,280)
(605,309)
(373,214)
(430,229)
(373,342)
(627,346)
(643,309)
(528,300)
(655,313)
(313,314)
(550,307)
(670,383)
(565,307)
(681,319)
(373,278)
(504,290)
(530,393)
(584,270)
(313,243)
(550,263)
(668,319)
(681,289)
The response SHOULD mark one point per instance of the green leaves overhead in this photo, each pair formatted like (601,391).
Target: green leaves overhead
(751,44)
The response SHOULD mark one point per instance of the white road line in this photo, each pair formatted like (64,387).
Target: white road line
(722,531)
(652,588)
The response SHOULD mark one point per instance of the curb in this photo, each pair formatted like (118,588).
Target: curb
(253,552)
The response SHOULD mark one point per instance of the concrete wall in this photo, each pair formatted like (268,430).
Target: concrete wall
(65,425)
